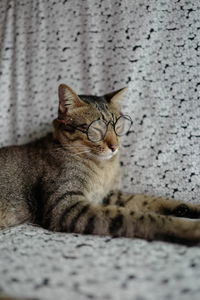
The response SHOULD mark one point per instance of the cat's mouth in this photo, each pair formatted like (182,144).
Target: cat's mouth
(95,153)
(103,155)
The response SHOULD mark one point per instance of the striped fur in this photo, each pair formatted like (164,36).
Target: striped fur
(64,182)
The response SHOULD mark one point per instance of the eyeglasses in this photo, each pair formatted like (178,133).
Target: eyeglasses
(97,129)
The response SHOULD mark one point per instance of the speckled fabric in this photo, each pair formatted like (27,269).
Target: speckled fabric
(59,266)
(96,47)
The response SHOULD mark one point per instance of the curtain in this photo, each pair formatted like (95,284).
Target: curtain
(94,46)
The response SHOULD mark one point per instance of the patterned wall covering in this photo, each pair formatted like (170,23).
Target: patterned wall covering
(98,46)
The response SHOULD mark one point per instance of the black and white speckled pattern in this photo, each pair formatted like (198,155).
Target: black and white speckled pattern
(35,262)
(98,46)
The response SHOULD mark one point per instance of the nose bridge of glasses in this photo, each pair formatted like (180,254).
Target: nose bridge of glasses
(110,125)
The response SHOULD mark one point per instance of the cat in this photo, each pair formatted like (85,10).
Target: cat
(68,181)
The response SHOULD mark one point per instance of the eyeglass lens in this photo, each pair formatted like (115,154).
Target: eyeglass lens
(123,125)
(96,131)
(98,128)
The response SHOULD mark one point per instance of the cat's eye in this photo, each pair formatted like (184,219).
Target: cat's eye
(123,125)
(97,130)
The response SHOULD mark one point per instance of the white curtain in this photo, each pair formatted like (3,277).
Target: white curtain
(153,47)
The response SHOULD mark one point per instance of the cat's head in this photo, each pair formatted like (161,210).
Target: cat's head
(90,125)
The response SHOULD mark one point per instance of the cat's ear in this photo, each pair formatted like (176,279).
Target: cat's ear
(68,99)
(115,98)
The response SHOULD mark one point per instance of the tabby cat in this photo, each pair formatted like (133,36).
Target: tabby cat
(68,181)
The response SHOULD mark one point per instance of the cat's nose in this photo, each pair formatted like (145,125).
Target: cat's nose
(113,147)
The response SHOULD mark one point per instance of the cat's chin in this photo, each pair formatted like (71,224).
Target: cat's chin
(102,156)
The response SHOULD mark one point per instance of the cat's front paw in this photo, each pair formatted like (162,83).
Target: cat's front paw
(185,211)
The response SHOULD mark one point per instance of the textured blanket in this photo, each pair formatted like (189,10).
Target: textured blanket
(153,47)
(36,262)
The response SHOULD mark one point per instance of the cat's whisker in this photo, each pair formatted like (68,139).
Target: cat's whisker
(69,146)
(61,146)
(82,152)
(76,154)
(70,149)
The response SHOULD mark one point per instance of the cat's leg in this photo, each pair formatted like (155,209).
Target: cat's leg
(159,205)
(75,214)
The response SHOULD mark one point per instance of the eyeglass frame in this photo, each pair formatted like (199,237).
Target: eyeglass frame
(107,124)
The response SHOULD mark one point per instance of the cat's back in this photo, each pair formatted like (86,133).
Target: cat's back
(16,157)
(20,165)
(10,161)
(43,159)
(17,175)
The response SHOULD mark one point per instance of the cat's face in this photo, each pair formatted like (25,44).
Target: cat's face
(89,125)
